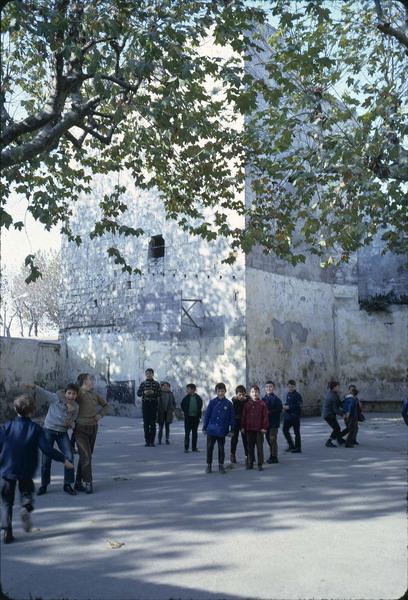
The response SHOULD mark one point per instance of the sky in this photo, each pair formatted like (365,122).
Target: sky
(16,245)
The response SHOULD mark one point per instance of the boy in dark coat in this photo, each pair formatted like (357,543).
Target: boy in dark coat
(291,417)
(274,406)
(192,406)
(165,411)
(238,402)
(255,423)
(20,439)
(331,408)
(218,422)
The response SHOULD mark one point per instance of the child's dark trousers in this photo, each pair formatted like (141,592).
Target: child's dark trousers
(295,423)
(255,438)
(336,433)
(8,490)
(211,439)
(167,428)
(191,425)
(234,439)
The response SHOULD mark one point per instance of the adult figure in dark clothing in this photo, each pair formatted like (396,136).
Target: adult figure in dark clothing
(331,408)
(192,406)
(149,391)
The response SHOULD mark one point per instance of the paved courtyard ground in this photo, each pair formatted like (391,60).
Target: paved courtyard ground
(327,523)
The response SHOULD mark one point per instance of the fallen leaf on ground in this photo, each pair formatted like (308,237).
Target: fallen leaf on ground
(115,545)
(121,479)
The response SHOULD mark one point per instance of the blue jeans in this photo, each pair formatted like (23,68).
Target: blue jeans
(64,444)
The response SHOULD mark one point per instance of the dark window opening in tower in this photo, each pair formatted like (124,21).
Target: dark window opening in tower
(156,247)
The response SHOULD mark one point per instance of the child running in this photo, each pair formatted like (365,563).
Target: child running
(331,408)
(255,424)
(218,422)
(20,439)
(61,415)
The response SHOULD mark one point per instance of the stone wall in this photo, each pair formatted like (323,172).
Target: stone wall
(28,361)
(313,332)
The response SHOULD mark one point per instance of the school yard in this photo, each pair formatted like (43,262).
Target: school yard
(327,523)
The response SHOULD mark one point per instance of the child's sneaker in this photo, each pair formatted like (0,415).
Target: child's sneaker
(208,469)
(222,469)
(8,536)
(88,488)
(26,519)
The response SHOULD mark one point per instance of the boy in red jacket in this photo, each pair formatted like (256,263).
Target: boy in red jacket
(255,423)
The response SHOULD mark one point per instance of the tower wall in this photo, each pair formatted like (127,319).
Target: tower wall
(184,316)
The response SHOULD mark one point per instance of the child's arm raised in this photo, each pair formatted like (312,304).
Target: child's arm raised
(42,393)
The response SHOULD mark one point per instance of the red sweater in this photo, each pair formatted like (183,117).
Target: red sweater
(254,416)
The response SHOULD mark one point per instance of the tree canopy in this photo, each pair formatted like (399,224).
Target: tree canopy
(92,88)
(327,145)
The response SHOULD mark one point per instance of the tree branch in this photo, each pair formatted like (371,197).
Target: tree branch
(398,34)
(123,84)
(105,139)
(48,137)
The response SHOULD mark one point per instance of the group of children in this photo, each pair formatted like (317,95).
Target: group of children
(77,407)
(246,415)
(250,416)
(80,408)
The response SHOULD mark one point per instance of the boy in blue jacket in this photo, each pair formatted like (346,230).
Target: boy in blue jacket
(218,422)
(291,417)
(274,405)
(19,443)
(350,408)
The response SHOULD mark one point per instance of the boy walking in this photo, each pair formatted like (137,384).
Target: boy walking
(351,411)
(91,410)
(274,406)
(149,391)
(331,408)
(165,411)
(192,406)
(255,424)
(218,421)
(20,439)
(291,417)
(238,402)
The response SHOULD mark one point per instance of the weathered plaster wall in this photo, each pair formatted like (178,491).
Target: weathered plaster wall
(382,274)
(131,322)
(313,331)
(28,361)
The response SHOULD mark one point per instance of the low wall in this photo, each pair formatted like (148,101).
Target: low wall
(28,361)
